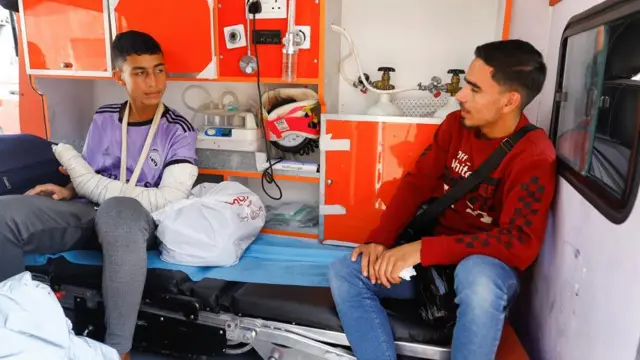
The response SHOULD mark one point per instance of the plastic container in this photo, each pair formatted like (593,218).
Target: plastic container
(289,67)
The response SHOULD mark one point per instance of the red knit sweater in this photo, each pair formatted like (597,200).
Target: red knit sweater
(505,217)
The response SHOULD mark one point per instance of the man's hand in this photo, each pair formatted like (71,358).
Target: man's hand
(391,262)
(370,254)
(56,192)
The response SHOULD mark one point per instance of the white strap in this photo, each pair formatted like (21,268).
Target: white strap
(145,149)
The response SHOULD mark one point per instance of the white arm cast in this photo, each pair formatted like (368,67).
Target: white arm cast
(176,184)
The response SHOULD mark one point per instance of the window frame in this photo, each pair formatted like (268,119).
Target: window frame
(616,210)
(14,31)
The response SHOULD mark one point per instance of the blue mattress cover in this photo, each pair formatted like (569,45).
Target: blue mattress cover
(269,259)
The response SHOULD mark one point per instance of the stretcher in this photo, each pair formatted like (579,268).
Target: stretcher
(276,300)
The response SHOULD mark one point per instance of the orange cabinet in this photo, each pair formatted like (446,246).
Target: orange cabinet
(184,29)
(66,37)
(363,160)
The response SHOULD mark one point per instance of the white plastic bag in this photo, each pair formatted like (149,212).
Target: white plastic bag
(213,227)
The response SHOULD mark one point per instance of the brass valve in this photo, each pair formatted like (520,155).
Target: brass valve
(454,86)
(385,82)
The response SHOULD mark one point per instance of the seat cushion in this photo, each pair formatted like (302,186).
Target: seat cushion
(314,307)
(307,306)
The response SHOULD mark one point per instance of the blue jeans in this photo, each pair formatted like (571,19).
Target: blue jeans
(484,287)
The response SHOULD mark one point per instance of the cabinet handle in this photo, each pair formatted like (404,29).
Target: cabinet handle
(66,65)
(329,182)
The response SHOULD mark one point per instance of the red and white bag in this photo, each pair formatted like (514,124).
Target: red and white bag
(213,227)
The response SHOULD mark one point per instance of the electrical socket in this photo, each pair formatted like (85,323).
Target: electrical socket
(272,9)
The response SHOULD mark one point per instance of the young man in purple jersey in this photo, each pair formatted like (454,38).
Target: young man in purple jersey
(103,207)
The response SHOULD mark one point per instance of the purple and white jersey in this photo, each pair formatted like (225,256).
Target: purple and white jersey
(174,143)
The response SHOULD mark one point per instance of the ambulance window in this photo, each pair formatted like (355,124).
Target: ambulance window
(597,114)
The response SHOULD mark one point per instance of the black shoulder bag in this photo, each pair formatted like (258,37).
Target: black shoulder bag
(435,284)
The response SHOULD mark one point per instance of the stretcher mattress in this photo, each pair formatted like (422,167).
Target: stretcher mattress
(278,279)
(268,260)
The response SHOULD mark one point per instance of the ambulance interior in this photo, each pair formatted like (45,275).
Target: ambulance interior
(329,184)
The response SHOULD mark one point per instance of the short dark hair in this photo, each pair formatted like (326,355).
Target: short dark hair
(517,65)
(133,42)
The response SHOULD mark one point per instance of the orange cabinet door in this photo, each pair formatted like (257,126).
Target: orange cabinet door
(359,179)
(66,37)
(184,30)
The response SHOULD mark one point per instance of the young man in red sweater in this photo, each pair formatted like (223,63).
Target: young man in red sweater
(492,233)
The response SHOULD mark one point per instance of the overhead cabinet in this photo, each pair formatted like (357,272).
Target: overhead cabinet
(66,37)
(184,29)
(73,37)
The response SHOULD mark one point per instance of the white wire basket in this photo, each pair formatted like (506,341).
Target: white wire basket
(421,107)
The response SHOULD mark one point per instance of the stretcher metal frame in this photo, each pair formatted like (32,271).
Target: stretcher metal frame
(235,334)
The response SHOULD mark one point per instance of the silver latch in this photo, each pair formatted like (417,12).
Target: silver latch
(562,96)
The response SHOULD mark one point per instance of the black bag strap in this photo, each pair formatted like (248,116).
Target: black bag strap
(481,173)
